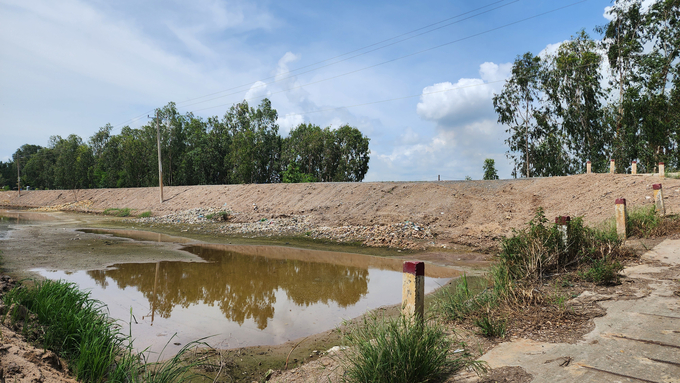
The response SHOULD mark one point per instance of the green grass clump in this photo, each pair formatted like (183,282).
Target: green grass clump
(72,324)
(69,322)
(642,221)
(145,214)
(124,212)
(461,298)
(219,216)
(603,271)
(490,327)
(398,350)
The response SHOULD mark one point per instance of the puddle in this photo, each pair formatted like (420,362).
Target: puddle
(242,295)
(11,218)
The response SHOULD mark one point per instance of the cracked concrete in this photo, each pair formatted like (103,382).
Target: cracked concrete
(638,340)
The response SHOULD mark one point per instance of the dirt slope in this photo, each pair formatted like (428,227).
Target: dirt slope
(459,211)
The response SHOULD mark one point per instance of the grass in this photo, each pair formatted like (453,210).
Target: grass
(398,350)
(66,320)
(118,212)
(462,298)
(603,272)
(219,216)
(145,214)
(490,327)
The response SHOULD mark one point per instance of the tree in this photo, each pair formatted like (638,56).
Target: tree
(517,106)
(489,167)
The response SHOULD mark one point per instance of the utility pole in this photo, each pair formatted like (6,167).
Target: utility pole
(18,176)
(160,164)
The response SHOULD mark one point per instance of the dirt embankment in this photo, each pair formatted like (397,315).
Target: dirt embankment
(468,212)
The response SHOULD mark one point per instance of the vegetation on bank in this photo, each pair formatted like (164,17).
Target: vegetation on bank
(61,318)
(243,147)
(535,255)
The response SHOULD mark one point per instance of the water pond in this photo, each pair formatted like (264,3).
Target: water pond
(242,295)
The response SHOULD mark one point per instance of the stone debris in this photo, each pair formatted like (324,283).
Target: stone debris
(402,235)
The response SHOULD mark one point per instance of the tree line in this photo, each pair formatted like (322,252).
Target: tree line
(242,147)
(616,98)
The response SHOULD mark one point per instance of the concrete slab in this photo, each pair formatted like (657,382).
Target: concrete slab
(638,340)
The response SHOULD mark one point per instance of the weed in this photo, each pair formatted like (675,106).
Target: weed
(642,221)
(603,271)
(460,299)
(219,216)
(66,320)
(145,214)
(124,212)
(490,327)
(398,350)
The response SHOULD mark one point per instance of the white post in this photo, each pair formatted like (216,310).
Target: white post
(413,290)
(633,168)
(588,167)
(612,166)
(620,212)
(662,170)
(658,199)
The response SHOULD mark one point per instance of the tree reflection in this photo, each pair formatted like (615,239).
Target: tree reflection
(242,286)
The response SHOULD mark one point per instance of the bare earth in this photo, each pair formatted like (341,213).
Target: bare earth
(466,212)
(474,213)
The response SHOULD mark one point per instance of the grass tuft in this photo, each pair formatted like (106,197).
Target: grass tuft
(124,212)
(490,327)
(219,216)
(603,272)
(399,350)
(69,322)
(145,214)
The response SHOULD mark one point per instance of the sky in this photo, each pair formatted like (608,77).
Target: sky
(417,78)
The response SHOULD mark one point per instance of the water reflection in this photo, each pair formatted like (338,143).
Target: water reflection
(242,286)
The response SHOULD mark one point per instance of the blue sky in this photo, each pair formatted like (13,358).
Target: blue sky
(72,66)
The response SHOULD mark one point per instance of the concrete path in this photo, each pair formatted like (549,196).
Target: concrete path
(638,340)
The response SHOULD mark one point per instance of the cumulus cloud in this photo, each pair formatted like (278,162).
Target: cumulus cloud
(288,122)
(257,92)
(469,99)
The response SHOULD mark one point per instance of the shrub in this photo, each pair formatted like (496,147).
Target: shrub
(219,216)
(145,214)
(603,271)
(642,221)
(396,350)
(124,212)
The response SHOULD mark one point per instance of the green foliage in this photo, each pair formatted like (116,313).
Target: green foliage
(602,271)
(78,328)
(124,212)
(242,147)
(293,175)
(219,216)
(6,188)
(559,112)
(642,221)
(397,350)
(73,325)
(145,214)
(490,327)
(490,172)
(468,178)
(462,298)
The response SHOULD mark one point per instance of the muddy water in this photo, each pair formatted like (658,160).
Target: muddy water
(241,295)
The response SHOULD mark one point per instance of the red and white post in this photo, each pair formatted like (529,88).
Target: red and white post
(658,199)
(612,166)
(562,223)
(620,212)
(633,168)
(413,290)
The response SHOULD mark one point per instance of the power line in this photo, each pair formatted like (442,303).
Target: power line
(414,53)
(342,55)
(348,58)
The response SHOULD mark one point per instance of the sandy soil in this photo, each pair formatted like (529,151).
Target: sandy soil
(467,212)
(475,213)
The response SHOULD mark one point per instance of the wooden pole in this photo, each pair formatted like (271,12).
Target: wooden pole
(18,177)
(413,290)
(160,164)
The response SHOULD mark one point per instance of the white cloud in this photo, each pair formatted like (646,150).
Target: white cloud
(469,99)
(288,122)
(257,92)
